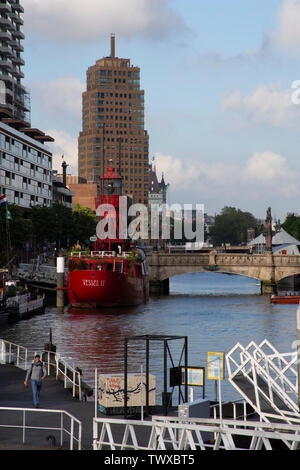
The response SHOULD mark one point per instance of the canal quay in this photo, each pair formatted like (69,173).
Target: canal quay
(214,311)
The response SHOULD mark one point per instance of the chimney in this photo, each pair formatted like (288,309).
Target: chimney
(112,46)
(64,167)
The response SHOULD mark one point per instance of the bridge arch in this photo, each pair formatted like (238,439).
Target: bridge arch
(181,271)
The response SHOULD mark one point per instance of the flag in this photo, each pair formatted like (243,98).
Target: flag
(8,215)
(3,199)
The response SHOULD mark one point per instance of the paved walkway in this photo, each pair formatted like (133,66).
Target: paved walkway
(14,394)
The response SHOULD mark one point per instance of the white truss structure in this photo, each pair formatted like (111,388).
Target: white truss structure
(266,379)
(172,433)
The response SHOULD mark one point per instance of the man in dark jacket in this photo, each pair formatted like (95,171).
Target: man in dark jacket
(37,371)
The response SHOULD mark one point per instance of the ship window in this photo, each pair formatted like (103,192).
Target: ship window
(99,267)
(109,267)
(91,267)
(118,267)
(83,266)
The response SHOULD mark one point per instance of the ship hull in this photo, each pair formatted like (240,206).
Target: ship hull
(98,289)
(288,299)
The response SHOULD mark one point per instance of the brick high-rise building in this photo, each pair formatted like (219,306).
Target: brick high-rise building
(113,131)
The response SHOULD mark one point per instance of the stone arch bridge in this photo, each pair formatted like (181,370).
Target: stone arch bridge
(267,268)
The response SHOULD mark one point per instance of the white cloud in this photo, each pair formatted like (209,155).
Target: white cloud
(272,170)
(269,104)
(91,20)
(66,145)
(287,34)
(265,173)
(60,97)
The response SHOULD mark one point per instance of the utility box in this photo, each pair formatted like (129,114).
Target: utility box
(112,392)
(197,409)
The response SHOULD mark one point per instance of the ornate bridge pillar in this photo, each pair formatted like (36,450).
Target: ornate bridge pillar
(156,285)
(269,286)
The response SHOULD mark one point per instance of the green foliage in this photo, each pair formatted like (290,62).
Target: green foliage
(13,233)
(59,224)
(135,256)
(292,225)
(231,226)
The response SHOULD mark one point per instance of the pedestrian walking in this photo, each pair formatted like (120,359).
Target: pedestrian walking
(37,372)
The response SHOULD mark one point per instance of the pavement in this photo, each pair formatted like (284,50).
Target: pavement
(53,396)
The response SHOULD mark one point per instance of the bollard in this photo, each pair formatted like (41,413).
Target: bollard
(60,273)
(50,355)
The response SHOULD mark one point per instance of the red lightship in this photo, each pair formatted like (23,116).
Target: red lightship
(115,274)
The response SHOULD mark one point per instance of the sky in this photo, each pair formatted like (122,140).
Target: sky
(222,90)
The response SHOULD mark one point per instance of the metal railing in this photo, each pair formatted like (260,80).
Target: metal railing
(21,357)
(272,376)
(73,431)
(174,433)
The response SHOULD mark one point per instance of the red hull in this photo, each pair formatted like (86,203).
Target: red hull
(285,299)
(96,289)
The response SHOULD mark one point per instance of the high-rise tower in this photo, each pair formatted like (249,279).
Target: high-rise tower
(113,131)
(13,95)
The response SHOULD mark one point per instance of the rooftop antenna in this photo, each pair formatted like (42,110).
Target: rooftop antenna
(112,45)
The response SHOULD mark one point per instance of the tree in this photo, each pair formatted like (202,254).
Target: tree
(292,225)
(231,226)
(14,233)
(84,223)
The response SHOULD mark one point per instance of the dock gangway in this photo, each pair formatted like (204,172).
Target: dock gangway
(266,379)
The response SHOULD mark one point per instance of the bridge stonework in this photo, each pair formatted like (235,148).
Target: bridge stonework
(267,268)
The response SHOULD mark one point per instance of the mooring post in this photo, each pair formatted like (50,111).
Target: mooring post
(60,274)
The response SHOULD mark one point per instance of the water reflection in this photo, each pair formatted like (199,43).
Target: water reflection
(215,311)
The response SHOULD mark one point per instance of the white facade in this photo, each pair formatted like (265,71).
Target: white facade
(25,169)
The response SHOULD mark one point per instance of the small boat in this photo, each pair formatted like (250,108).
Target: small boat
(288,298)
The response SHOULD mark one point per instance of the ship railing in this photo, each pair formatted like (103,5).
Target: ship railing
(100,254)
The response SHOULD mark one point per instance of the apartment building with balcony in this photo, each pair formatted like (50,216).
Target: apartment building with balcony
(25,159)
(14,97)
(25,164)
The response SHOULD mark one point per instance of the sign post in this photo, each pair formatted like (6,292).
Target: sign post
(215,371)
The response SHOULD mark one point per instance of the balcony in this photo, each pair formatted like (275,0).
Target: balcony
(5,23)
(5,35)
(5,8)
(18,33)
(17,18)
(6,50)
(5,64)
(17,60)
(16,6)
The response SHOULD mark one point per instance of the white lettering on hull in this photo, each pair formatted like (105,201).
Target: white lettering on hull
(93,283)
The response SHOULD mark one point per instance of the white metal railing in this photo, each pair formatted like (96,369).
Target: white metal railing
(234,404)
(21,357)
(190,434)
(75,435)
(278,373)
(100,254)
(13,353)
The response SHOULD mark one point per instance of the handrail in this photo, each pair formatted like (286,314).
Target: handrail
(187,433)
(61,428)
(253,361)
(19,355)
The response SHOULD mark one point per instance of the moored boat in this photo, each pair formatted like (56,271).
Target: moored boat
(115,273)
(285,299)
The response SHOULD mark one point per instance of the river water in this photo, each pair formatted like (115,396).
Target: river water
(215,311)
